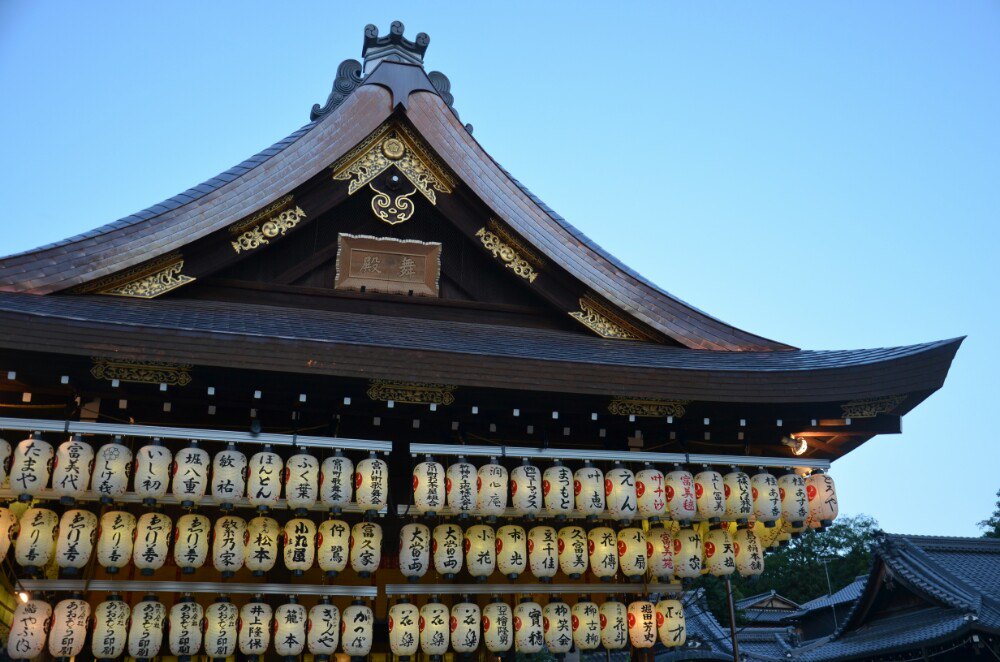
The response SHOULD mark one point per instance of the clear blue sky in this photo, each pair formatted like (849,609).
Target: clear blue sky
(824,174)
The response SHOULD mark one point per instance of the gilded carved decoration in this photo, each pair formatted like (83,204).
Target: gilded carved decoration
(648,408)
(141,372)
(871,407)
(277,219)
(145,281)
(604,322)
(514,257)
(392,210)
(411,392)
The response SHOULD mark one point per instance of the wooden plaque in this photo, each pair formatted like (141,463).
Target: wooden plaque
(392,266)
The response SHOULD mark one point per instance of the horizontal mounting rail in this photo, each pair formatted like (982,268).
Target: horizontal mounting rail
(409,510)
(530,589)
(221,588)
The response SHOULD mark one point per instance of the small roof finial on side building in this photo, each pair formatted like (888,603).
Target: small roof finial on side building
(393,46)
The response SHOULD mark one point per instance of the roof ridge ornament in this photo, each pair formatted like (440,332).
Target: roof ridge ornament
(393,46)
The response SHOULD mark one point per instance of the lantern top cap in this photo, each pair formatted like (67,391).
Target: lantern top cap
(149,597)
(358,602)
(222,599)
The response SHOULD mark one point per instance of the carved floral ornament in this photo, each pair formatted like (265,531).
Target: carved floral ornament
(145,281)
(141,372)
(508,250)
(648,408)
(257,230)
(604,322)
(871,407)
(411,392)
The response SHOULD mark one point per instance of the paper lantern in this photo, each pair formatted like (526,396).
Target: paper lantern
(404,629)
(465,622)
(290,629)
(5,459)
(229,544)
(264,479)
(145,634)
(720,555)
(822,494)
(670,623)
(75,543)
(333,546)
(229,476)
(767,536)
(749,553)
(323,629)
(115,541)
(299,545)
(480,545)
(184,637)
(414,550)
(428,486)
(356,629)
(371,484)
(619,493)
(69,628)
(602,550)
(191,542)
(31,467)
(588,490)
(710,495)
(526,490)
(447,548)
(642,624)
(28,628)
(528,635)
(650,493)
(71,470)
(543,552)
(336,482)
(512,550)
(221,618)
(190,474)
(254,628)
(766,498)
(661,561)
(680,495)
(37,541)
(794,502)
(586,625)
(687,553)
(573,551)
(366,548)
(152,472)
(557,490)
(301,484)
(739,498)
(614,631)
(498,629)
(112,466)
(152,542)
(557,626)
(261,549)
(633,552)
(110,629)
(491,486)
(460,487)
(9,527)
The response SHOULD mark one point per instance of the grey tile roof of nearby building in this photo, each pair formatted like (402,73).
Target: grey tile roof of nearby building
(849,593)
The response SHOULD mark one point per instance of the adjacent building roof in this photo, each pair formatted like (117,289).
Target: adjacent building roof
(849,593)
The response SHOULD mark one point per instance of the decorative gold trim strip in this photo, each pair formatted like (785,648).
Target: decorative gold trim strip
(648,408)
(421,393)
(602,321)
(152,284)
(259,235)
(141,372)
(506,253)
(272,209)
(510,238)
(871,407)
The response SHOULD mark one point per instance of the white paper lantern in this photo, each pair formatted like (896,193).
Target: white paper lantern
(670,623)
(498,627)
(480,547)
(110,629)
(152,472)
(301,482)
(588,490)
(254,628)
(681,504)
(261,549)
(112,466)
(526,490)
(465,623)
(75,543)
(794,502)
(602,550)
(404,629)
(264,479)
(28,628)
(460,487)
(557,625)
(366,548)
(491,485)
(573,559)
(145,634)
(710,495)
(299,545)
(766,498)
(74,461)
(184,638)
(191,542)
(9,527)
(642,624)
(37,540)
(543,552)
(115,540)
(633,552)
(822,494)
(229,476)
(528,629)
(221,618)
(69,628)
(428,486)
(356,629)
(557,491)
(323,629)
(336,482)
(687,553)
(512,550)
(414,550)
(229,544)
(661,561)
(739,498)
(619,492)
(5,459)
(720,555)
(31,467)
(152,542)
(614,628)
(749,553)
(447,549)
(290,630)
(371,484)
(333,546)
(651,493)
(586,625)
(190,474)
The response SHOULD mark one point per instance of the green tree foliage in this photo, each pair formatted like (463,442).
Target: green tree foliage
(992,525)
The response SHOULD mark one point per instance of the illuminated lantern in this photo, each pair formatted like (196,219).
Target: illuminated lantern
(323,629)
(69,627)
(557,624)
(619,492)
(767,536)
(229,476)
(229,544)
(543,552)
(301,484)
(588,490)
(5,453)
(460,486)
(687,553)
(557,490)
(447,548)
(190,480)
(465,619)
(404,629)
(680,495)
(720,555)
(794,502)
(191,542)
(290,629)
(37,540)
(299,545)
(110,628)
(602,548)
(670,623)
(528,635)
(480,545)
(261,549)
(661,561)
(512,550)
(371,484)
(414,550)
(71,471)
(651,494)
(115,542)
(573,551)
(152,472)
(75,543)
(184,638)
(31,467)
(526,490)
(498,629)
(633,552)
(586,625)
(614,631)
(642,624)
(822,493)
(221,618)
(8,530)
(491,486)
(333,546)
(428,486)
(749,553)
(356,629)
(766,498)
(28,628)
(145,634)
(112,466)
(366,548)
(434,628)
(710,495)
(336,482)
(739,498)
(264,479)
(255,628)
(152,542)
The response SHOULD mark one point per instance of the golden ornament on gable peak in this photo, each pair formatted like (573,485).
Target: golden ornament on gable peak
(393,148)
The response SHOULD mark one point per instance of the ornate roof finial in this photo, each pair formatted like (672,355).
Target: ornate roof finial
(393,46)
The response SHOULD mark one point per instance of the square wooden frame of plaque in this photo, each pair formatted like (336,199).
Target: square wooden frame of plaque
(389,266)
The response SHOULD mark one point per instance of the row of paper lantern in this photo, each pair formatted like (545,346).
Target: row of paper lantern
(190,474)
(119,538)
(218,631)
(621,494)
